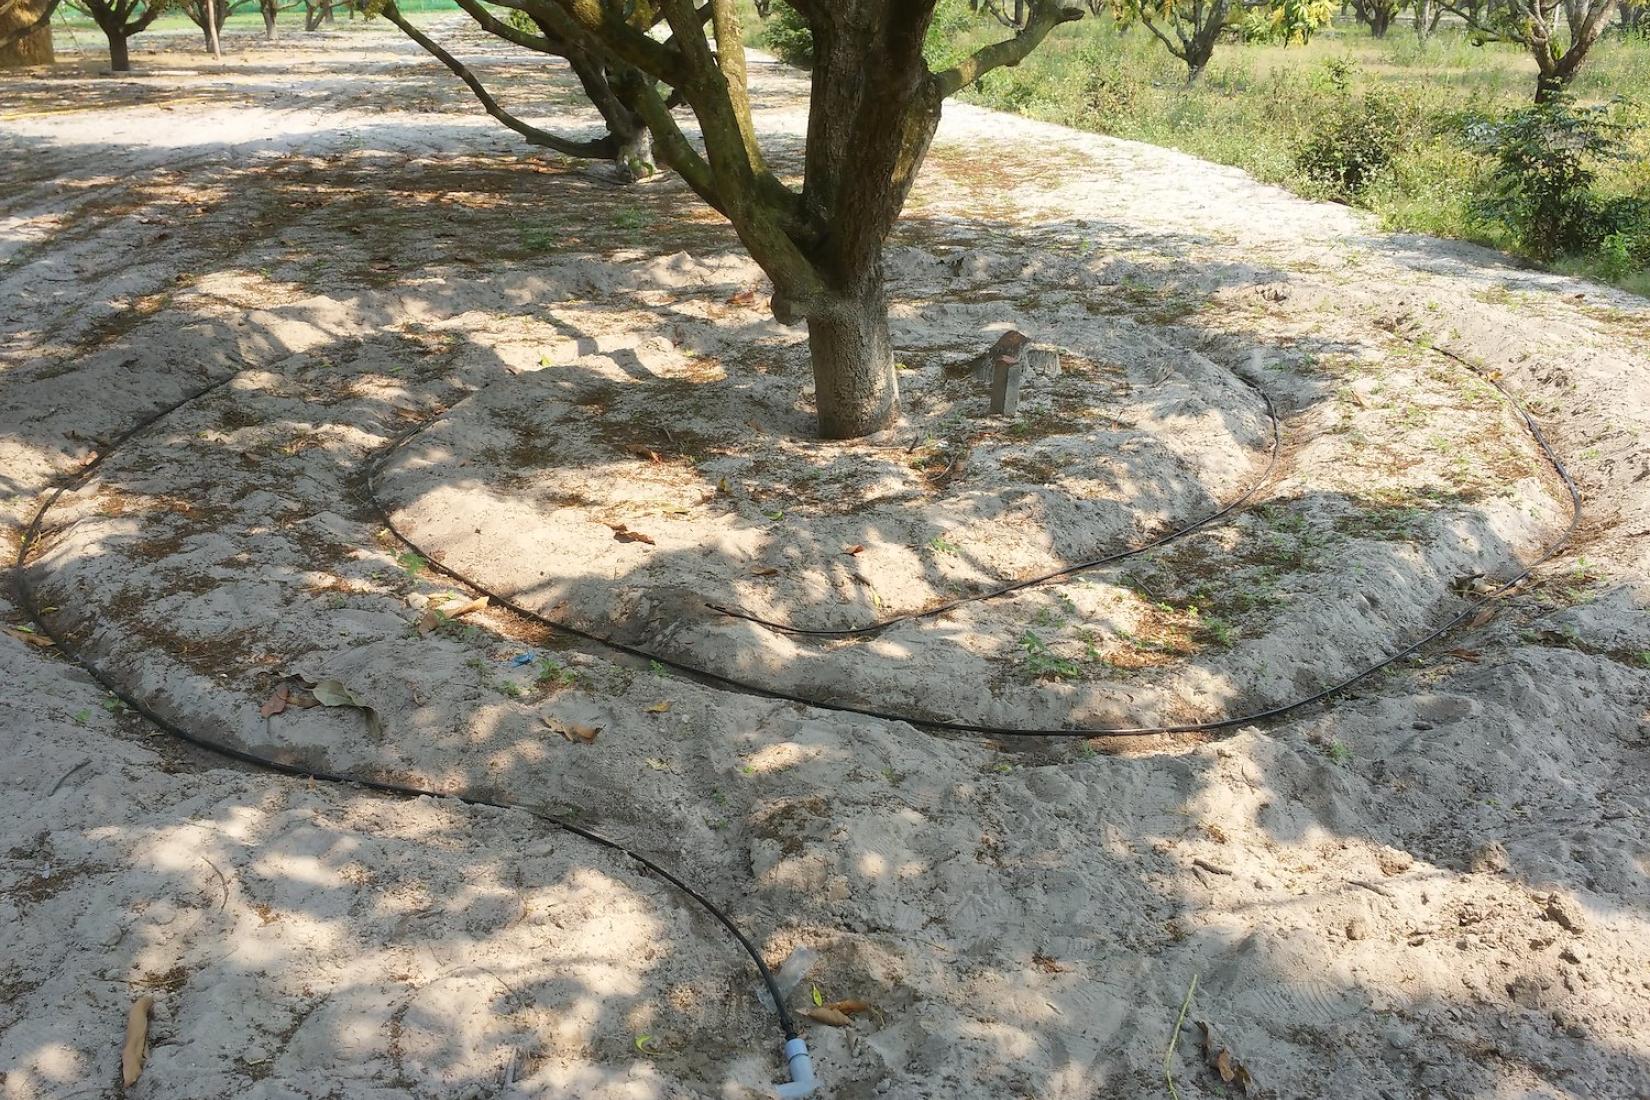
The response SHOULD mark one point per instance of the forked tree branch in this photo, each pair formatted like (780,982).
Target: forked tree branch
(603,149)
(1045,16)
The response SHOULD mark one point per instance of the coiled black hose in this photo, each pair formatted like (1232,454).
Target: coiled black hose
(982,729)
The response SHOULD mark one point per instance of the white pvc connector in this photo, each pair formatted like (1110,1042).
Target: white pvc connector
(802,1081)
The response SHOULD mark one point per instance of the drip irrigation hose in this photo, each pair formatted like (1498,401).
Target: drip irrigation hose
(1212,725)
(1021,585)
(800,1065)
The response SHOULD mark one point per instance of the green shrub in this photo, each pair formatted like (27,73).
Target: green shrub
(1546,160)
(785,33)
(1357,140)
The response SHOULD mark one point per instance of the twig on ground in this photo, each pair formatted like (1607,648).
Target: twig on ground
(221,882)
(1174,1040)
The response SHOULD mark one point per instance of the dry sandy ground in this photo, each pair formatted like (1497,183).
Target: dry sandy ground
(1435,887)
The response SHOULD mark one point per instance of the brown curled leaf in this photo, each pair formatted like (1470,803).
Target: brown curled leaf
(30,637)
(277,702)
(573,732)
(848,1008)
(825,1014)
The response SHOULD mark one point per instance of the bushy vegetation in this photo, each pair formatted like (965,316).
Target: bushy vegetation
(1434,135)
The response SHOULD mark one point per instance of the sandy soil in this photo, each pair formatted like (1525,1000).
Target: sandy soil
(1434,887)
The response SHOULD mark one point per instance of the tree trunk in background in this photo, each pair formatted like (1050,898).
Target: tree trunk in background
(120,59)
(36,49)
(212,30)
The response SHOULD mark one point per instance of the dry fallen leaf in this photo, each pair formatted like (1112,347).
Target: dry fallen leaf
(1468,655)
(29,637)
(848,1008)
(1046,963)
(277,702)
(1483,616)
(745,297)
(459,606)
(765,571)
(660,707)
(853,550)
(137,1035)
(825,1014)
(334,693)
(576,732)
(625,534)
(642,450)
(1222,1061)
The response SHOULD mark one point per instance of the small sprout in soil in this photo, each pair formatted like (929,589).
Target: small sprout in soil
(508,688)
(776,515)
(1338,751)
(114,706)
(657,668)
(553,674)
(942,545)
(1643,658)
(632,218)
(719,797)
(1004,768)
(1217,630)
(413,563)
(82,717)
(1041,662)
(718,823)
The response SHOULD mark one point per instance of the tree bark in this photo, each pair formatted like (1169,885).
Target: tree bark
(120,58)
(855,388)
(35,49)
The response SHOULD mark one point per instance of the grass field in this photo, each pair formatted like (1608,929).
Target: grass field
(1258,106)
(1405,106)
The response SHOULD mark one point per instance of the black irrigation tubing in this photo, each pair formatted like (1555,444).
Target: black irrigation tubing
(1021,585)
(31,608)
(981,729)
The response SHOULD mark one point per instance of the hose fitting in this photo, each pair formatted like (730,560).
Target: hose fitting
(802,1081)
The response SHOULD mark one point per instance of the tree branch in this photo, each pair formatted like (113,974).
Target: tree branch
(604,149)
(492,24)
(1045,16)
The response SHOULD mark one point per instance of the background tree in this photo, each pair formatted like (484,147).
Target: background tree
(1377,15)
(1197,25)
(26,33)
(210,16)
(1558,34)
(874,108)
(1635,17)
(119,20)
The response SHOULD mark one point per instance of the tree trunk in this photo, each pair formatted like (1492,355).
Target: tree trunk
(120,58)
(211,9)
(855,389)
(269,20)
(1379,22)
(1549,87)
(36,49)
